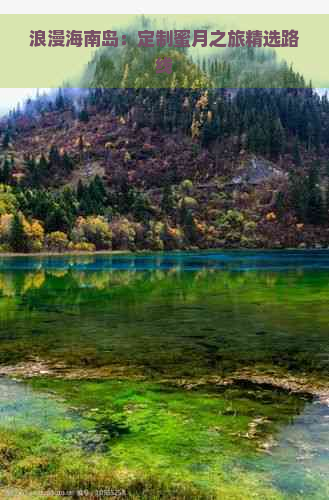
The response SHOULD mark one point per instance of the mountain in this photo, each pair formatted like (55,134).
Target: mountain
(168,168)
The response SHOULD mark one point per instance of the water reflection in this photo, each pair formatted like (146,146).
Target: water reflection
(167,320)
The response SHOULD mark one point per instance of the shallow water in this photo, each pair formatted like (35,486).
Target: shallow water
(168,317)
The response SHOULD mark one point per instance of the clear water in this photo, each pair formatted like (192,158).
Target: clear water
(160,319)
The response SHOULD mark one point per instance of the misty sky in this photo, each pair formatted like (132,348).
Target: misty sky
(9,98)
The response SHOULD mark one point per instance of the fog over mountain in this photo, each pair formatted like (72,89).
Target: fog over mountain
(10,98)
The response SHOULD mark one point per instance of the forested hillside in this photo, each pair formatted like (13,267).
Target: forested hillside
(166,168)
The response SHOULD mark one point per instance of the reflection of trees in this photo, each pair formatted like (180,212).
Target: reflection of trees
(99,280)
(76,287)
(12,284)
(81,260)
(58,273)
(7,284)
(241,315)
(33,280)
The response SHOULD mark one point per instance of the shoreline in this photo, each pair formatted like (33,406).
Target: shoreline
(63,254)
(141,252)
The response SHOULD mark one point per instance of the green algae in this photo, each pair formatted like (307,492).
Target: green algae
(163,432)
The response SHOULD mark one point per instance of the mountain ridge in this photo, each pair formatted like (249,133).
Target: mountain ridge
(166,169)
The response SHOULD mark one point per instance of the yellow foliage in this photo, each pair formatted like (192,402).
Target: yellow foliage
(93,230)
(82,246)
(37,230)
(202,103)
(93,220)
(172,231)
(5,225)
(34,233)
(58,236)
(195,128)
(271,216)
(57,240)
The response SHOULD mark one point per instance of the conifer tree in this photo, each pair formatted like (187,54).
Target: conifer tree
(296,154)
(17,237)
(5,172)
(6,140)
(315,209)
(168,200)
(187,221)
